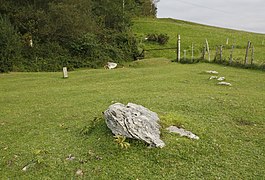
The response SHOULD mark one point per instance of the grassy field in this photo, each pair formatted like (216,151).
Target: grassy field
(45,118)
(196,34)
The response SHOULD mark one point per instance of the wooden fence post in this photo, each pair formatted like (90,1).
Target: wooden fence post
(178,49)
(231,55)
(192,55)
(203,52)
(227,41)
(246,57)
(252,55)
(208,50)
(216,54)
(221,53)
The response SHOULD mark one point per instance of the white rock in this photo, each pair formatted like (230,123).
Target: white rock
(134,121)
(211,72)
(70,157)
(221,79)
(224,83)
(111,65)
(213,77)
(79,172)
(182,132)
(30,165)
(25,168)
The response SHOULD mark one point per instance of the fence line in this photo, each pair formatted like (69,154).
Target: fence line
(219,57)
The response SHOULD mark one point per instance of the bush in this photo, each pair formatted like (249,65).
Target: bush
(10,45)
(159,38)
(48,56)
(152,37)
(162,39)
(93,50)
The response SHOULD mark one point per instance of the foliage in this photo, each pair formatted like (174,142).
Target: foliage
(48,56)
(112,46)
(162,39)
(121,141)
(159,38)
(10,45)
(61,32)
(86,130)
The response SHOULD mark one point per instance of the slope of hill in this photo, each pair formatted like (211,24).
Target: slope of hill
(52,128)
(196,34)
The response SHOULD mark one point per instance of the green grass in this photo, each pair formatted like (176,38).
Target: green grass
(44,119)
(196,34)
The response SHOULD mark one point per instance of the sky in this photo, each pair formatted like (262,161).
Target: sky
(247,15)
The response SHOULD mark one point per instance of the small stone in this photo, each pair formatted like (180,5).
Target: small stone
(221,79)
(111,65)
(25,168)
(79,172)
(182,132)
(213,77)
(211,72)
(99,158)
(70,157)
(224,83)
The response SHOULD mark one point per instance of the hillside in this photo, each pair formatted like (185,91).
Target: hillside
(53,128)
(196,34)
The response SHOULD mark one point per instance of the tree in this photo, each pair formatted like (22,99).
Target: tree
(10,45)
(110,14)
(66,29)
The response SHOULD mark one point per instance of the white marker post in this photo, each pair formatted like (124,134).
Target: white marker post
(65,73)
(31,43)
(178,50)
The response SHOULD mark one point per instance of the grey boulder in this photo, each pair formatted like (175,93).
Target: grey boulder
(134,121)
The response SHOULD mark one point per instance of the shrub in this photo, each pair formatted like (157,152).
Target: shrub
(152,37)
(10,45)
(48,56)
(159,38)
(95,50)
(162,39)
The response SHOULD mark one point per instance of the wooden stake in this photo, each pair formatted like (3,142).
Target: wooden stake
(203,52)
(192,55)
(227,41)
(252,55)
(65,73)
(231,55)
(221,53)
(246,57)
(216,54)
(208,50)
